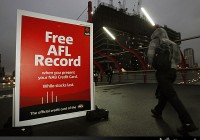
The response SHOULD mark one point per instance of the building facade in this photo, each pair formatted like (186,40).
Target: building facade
(128,52)
(189,57)
(2,72)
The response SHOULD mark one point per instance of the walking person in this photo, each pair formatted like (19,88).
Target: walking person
(165,79)
(109,74)
(96,76)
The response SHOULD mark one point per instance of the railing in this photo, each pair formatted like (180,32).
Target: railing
(184,76)
(192,76)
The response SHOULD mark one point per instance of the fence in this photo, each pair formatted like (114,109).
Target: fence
(184,76)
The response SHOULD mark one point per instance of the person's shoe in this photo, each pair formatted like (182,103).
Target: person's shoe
(156,114)
(184,129)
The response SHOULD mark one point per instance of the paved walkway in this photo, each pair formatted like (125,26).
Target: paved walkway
(129,106)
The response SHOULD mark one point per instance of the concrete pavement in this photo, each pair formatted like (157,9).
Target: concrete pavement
(129,108)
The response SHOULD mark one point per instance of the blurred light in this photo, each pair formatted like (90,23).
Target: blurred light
(109,33)
(148,16)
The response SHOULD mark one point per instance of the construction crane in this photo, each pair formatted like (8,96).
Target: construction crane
(122,6)
(111,2)
(98,2)
(139,6)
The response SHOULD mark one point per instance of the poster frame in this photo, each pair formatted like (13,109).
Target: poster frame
(16,92)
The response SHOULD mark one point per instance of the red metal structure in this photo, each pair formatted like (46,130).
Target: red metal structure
(110,58)
(136,54)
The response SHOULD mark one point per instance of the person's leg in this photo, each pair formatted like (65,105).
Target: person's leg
(162,101)
(110,79)
(161,105)
(165,80)
(176,103)
(157,94)
(96,81)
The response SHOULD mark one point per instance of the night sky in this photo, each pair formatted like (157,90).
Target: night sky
(180,15)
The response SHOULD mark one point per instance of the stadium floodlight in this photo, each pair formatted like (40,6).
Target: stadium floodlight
(109,33)
(148,16)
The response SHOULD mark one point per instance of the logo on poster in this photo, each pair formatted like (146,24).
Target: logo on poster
(87,31)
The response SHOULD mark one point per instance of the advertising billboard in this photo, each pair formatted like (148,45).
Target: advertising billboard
(54,69)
